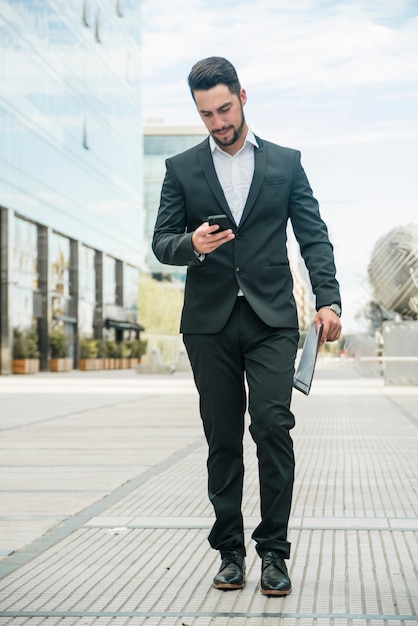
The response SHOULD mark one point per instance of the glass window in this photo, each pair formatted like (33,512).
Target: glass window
(87,291)
(60,264)
(25,272)
(131,281)
(109,280)
(61,300)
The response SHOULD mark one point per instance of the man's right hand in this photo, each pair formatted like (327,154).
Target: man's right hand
(206,239)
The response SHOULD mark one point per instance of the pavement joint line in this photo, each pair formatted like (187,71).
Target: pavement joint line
(250,526)
(404,412)
(64,415)
(24,491)
(369,524)
(60,532)
(212,614)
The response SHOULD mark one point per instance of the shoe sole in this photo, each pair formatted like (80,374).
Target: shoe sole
(228,586)
(273,592)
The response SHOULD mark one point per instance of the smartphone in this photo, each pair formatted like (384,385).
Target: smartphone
(220,220)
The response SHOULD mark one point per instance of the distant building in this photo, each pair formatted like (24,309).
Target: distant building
(302,290)
(71,216)
(393,274)
(160,143)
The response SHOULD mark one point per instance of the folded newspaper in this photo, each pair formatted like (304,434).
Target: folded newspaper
(306,367)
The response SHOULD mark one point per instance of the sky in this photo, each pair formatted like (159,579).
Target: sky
(337,80)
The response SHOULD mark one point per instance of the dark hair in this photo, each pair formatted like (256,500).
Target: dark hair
(213,71)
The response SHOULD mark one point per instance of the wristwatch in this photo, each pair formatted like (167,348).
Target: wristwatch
(334,307)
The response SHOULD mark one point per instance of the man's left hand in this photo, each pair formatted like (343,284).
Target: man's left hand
(331,325)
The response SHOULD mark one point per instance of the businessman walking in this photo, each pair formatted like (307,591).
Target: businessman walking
(239,320)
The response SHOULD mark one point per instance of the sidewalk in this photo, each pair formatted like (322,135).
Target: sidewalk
(104,514)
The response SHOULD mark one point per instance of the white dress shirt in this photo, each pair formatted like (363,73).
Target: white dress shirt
(235,173)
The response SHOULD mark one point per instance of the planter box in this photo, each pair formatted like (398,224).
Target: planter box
(25,366)
(88,365)
(60,365)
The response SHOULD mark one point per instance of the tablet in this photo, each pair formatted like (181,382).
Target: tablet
(302,380)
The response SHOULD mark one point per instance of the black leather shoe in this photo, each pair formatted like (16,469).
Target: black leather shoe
(275,580)
(231,574)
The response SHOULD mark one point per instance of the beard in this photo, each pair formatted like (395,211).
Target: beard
(235,135)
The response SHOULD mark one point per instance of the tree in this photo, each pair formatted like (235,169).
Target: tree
(159,306)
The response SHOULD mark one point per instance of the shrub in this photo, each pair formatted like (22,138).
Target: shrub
(25,344)
(136,348)
(58,344)
(85,352)
(111,349)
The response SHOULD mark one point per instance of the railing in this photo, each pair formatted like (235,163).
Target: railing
(168,346)
(388,358)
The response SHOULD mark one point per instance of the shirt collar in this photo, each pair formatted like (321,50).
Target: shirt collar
(249,140)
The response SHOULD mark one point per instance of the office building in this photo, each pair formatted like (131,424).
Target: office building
(160,143)
(71,215)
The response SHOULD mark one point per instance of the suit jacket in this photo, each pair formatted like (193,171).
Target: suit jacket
(256,260)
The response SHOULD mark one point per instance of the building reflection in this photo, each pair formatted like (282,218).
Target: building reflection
(162,141)
(71,216)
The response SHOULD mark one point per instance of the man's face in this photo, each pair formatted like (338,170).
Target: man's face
(223,115)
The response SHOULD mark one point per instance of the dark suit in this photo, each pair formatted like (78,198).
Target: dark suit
(228,338)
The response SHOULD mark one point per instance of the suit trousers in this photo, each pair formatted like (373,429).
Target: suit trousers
(246,349)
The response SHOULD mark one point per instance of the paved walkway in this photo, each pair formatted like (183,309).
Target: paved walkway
(104,515)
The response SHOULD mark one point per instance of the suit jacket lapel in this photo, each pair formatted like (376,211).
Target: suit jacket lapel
(206,161)
(260,160)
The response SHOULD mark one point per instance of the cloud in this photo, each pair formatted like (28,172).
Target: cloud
(315,45)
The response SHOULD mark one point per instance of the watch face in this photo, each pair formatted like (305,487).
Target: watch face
(336,309)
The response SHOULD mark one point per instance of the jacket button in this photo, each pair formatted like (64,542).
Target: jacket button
(238,269)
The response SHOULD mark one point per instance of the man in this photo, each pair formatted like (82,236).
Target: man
(239,319)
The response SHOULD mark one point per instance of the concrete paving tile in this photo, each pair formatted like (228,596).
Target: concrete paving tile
(140,555)
(20,531)
(55,504)
(107,521)
(345,522)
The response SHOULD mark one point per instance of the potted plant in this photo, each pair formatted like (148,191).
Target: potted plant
(25,352)
(125,355)
(89,353)
(111,354)
(136,349)
(59,351)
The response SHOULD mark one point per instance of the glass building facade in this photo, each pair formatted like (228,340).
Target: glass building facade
(71,170)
